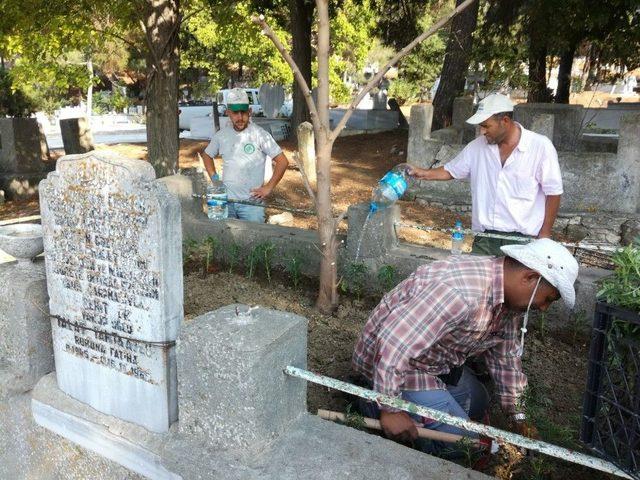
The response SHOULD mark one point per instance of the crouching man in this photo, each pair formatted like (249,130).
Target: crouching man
(417,339)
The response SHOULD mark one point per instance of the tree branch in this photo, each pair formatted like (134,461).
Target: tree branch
(266,30)
(397,57)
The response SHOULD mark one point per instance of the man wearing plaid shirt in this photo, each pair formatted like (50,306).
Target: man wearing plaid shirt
(417,339)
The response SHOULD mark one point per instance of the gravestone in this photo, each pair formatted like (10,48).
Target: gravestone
(112,239)
(23,157)
(271,98)
(76,135)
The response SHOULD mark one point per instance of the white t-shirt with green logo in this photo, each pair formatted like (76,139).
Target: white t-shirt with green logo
(244,156)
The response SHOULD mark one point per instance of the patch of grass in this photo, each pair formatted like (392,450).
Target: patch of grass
(536,404)
(353,418)
(354,279)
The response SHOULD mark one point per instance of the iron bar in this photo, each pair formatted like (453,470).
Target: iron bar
(500,436)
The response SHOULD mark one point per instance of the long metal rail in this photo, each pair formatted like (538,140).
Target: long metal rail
(486,430)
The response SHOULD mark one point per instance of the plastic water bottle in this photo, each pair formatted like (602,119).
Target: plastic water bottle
(457,238)
(390,187)
(217,199)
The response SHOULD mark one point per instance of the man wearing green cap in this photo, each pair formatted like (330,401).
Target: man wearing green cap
(245,149)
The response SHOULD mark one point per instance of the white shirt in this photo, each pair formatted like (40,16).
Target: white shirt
(509,198)
(244,156)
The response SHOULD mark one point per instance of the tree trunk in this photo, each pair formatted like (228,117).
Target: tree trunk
(162,22)
(456,64)
(537,68)
(564,75)
(301,15)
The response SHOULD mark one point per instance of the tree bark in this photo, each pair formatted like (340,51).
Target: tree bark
(161,25)
(537,67)
(301,15)
(456,64)
(564,75)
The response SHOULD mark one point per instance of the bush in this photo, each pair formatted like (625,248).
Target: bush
(404,91)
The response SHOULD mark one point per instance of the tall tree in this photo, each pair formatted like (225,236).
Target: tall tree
(325,137)
(301,21)
(456,64)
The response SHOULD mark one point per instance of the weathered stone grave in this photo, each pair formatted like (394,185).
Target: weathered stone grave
(76,135)
(112,240)
(24,157)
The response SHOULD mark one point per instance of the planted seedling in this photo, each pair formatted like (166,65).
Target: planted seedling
(261,255)
(209,246)
(387,277)
(233,256)
(354,278)
(293,266)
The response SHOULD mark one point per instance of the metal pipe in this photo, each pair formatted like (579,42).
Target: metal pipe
(501,436)
(467,231)
(264,205)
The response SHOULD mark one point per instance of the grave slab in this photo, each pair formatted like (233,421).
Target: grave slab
(113,241)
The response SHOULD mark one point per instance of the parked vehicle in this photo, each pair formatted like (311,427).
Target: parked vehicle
(192,109)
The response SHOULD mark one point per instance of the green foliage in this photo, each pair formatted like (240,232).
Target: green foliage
(404,91)
(293,266)
(542,326)
(421,67)
(105,101)
(623,287)
(261,256)
(13,102)
(387,277)
(354,279)
(223,42)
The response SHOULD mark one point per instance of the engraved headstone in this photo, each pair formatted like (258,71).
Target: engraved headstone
(112,239)
(271,99)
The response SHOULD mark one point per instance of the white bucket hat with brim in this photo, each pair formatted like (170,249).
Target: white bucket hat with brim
(551,260)
(489,106)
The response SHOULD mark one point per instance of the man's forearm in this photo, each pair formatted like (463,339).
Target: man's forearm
(551,206)
(278,171)
(209,165)
(439,173)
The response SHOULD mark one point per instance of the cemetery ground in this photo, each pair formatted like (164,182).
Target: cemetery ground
(556,361)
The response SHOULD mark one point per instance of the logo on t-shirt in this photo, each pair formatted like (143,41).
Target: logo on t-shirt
(249,148)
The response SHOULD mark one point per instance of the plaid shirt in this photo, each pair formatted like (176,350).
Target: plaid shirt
(442,314)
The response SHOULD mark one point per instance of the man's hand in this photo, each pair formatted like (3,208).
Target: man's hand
(398,426)
(525,429)
(261,193)
(417,172)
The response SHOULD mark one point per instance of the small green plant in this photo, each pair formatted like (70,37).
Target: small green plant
(354,418)
(261,255)
(354,279)
(293,266)
(578,325)
(537,405)
(189,247)
(540,469)
(209,247)
(387,277)
(542,325)
(623,287)
(233,256)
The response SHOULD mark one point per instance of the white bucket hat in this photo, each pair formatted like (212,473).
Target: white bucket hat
(490,105)
(551,260)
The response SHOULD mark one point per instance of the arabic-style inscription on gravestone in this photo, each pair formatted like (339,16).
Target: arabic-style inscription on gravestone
(112,240)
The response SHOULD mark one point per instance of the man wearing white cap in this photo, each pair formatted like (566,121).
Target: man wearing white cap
(245,149)
(514,174)
(417,339)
